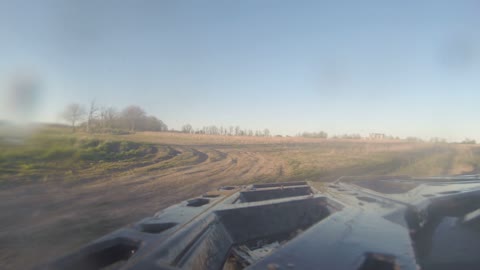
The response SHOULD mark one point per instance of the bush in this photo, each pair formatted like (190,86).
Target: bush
(58,154)
(109,147)
(89,143)
(126,146)
(90,155)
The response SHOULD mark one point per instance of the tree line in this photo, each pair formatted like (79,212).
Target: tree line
(226,131)
(106,119)
(320,134)
(96,118)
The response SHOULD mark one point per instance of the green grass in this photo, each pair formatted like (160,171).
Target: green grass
(45,154)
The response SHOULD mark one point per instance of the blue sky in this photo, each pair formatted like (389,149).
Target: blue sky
(398,67)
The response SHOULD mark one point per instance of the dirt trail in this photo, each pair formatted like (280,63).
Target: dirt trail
(44,220)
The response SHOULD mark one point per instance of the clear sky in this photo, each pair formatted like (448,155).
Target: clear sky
(396,67)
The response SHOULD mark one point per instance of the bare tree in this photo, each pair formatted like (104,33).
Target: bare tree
(92,115)
(133,114)
(107,116)
(266,132)
(187,128)
(213,130)
(73,113)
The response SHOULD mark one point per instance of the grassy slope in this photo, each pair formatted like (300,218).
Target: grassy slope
(59,155)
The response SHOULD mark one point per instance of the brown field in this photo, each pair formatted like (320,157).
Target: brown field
(48,212)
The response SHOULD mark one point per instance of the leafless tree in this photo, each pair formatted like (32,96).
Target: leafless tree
(213,130)
(133,114)
(187,128)
(92,115)
(107,116)
(73,113)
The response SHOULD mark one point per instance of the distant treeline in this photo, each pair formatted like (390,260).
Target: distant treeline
(226,131)
(108,119)
(133,118)
(320,134)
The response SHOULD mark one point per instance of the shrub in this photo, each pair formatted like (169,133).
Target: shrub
(58,153)
(89,143)
(126,146)
(109,147)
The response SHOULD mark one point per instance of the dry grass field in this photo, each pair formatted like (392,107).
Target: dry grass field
(59,191)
